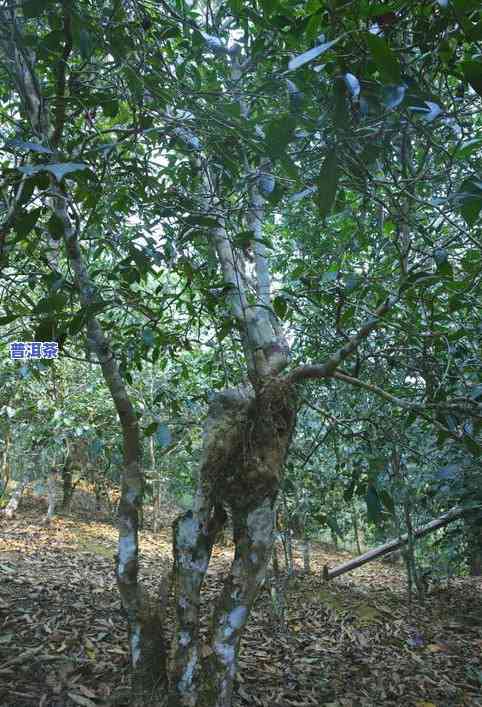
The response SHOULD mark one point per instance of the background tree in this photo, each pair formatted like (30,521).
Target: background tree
(181,156)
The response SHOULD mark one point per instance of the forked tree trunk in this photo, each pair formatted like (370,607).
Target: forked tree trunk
(246,440)
(253,537)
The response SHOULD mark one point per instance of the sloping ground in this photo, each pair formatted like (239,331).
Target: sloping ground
(351,642)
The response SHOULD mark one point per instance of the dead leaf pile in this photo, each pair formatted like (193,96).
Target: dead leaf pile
(347,643)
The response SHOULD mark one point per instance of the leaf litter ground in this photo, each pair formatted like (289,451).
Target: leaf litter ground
(347,643)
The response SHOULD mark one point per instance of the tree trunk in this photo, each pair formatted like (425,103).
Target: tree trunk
(356,533)
(147,652)
(448,517)
(156,487)
(98,490)
(12,506)
(253,537)
(52,495)
(5,464)
(67,485)
(476,563)
(474,539)
(246,438)
(156,521)
(288,550)
(306,549)
(275,560)
(334,539)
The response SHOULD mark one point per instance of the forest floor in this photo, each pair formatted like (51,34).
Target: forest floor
(347,643)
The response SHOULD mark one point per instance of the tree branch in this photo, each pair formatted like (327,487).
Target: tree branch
(60,97)
(399,402)
(327,370)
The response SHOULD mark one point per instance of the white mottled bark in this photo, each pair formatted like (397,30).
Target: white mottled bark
(14,501)
(146,654)
(51,494)
(5,463)
(253,537)
(306,550)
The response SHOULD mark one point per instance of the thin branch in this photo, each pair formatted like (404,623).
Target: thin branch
(327,369)
(399,402)
(60,97)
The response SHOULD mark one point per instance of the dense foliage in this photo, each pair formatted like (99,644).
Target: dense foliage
(184,176)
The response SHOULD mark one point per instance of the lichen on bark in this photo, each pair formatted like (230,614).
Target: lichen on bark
(246,438)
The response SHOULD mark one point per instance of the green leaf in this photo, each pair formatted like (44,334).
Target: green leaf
(327,183)
(311,54)
(50,304)
(473,74)
(279,134)
(186,501)
(236,6)
(384,58)
(30,146)
(85,44)
(333,526)
(148,338)
(368,8)
(56,227)
(59,170)
(269,7)
(150,429)
(163,435)
(110,107)
(9,319)
(473,446)
(52,42)
(130,275)
(469,198)
(206,221)
(226,327)
(46,330)
(387,501)
(445,269)
(312,6)
(468,148)
(77,322)
(374,507)
(280,306)
(26,221)
(34,8)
